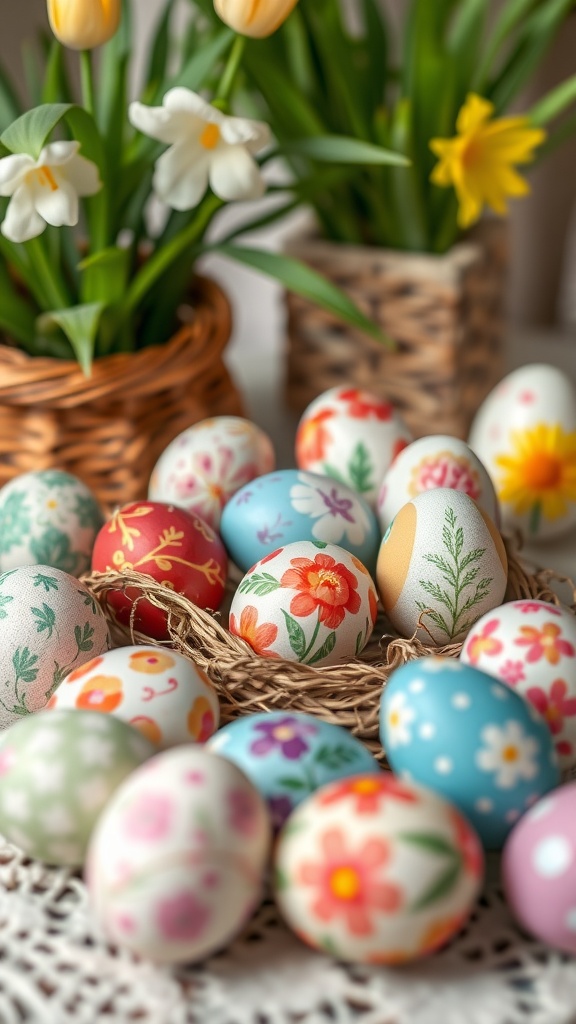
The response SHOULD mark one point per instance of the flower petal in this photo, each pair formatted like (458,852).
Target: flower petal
(181,175)
(22,222)
(12,170)
(473,114)
(57,206)
(184,100)
(57,153)
(234,174)
(254,135)
(83,176)
(157,122)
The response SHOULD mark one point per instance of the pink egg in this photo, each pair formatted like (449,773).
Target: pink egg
(539,869)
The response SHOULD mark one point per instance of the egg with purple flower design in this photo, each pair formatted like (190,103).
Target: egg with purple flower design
(286,506)
(289,755)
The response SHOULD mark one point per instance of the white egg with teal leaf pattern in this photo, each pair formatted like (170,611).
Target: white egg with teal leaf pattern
(470,738)
(50,624)
(442,565)
(48,517)
(288,755)
(288,506)
(57,773)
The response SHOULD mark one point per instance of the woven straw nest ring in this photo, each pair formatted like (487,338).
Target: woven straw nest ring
(347,695)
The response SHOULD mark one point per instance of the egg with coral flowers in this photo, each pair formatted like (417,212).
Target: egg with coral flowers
(308,602)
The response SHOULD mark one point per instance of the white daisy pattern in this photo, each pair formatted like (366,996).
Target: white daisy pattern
(336,510)
(509,753)
(399,717)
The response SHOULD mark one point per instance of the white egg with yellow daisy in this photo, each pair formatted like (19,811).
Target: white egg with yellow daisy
(525,434)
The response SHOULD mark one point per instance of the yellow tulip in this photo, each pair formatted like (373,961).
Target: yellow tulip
(256,18)
(84,24)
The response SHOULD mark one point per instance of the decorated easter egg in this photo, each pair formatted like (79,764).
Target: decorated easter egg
(539,869)
(531,646)
(161,693)
(308,602)
(469,737)
(377,870)
(351,435)
(57,772)
(176,862)
(49,625)
(435,461)
(287,506)
(525,434)
(206,464)
(48,517)
(441,566)
(178,549)
(289,755)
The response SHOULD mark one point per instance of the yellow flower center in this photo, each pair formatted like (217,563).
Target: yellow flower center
(344,883)
(51,503)
(394,718)
(367,786)
(46,177)
(210,137)
(542,470)
(510,753)
(284,733)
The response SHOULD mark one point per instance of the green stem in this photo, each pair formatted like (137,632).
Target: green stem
(163,258)
(313,640)
(87,80)
(53,289)
(230,71)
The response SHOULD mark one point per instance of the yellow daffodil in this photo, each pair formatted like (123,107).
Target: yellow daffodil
(84,24)
(256,18)
(479,161)
(538,476)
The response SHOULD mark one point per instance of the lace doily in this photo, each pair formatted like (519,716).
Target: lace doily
(57,969)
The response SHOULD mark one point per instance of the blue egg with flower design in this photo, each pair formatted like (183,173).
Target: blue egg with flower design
(289,755)
(469,737)
(289,505)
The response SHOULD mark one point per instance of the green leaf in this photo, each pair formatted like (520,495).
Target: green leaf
(159,54)
(25,664)
(360,469)
(17,317)
(4,600)
(325,650)
(291,782)
(84,637)
(28,134)
(105,275)
(336,757)
(201,65)
(554,103)
(80,325)
(359,640)
(512,14)
(48,582)
(344,149)
(56,87)
(46,619)
(260,584)
(297,277)
(430,842)
(439,889)
(10,105)
(295,635)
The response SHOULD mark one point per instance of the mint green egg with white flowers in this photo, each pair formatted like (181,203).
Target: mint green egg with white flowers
(48,517)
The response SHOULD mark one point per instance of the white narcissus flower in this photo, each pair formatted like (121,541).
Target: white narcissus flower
(206,147)
(46,190)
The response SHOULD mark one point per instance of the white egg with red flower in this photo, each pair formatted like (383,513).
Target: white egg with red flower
(435,461)
(308,602)
(160,692)
(352,435)
(206,464)
(176,863)
(531,646)
(377,870)
(525,434)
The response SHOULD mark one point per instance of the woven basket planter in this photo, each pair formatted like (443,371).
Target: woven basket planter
(346,695)
(109,429)
(445,313)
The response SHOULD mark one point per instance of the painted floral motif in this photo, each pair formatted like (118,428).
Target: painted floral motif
(313,438)
(100,693)
(182,917)
(347,882)
(532,607)
(468,845)
(201,721)
(260,637)
(213,477)
(242,812)
(483,643)
(538,477)
(555,706)
(151,662)
(287,735)
(83,670)
(323,584)
(364,406)
(509,753)
(399,717)
(369,792)
(444,469)
(148,727)
(149,819)
(337,514)
(511,672)
(280,807)
(544,643)
(439,932)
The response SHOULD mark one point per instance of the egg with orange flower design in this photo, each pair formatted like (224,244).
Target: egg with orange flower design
(161,693)
(308,602)
(178,549)
(377,870)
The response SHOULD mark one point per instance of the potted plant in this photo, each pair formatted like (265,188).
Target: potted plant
(111,345)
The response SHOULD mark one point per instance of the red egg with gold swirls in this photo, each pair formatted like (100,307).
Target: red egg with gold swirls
(178,549)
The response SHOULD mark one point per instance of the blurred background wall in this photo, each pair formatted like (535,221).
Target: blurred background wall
(543,227)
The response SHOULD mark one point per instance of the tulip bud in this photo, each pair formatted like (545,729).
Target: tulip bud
(84,24)
(257,18)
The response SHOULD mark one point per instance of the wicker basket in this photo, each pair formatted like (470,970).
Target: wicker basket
(445,313)
(109,429)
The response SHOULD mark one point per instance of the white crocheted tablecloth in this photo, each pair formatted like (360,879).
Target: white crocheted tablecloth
(55,968)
